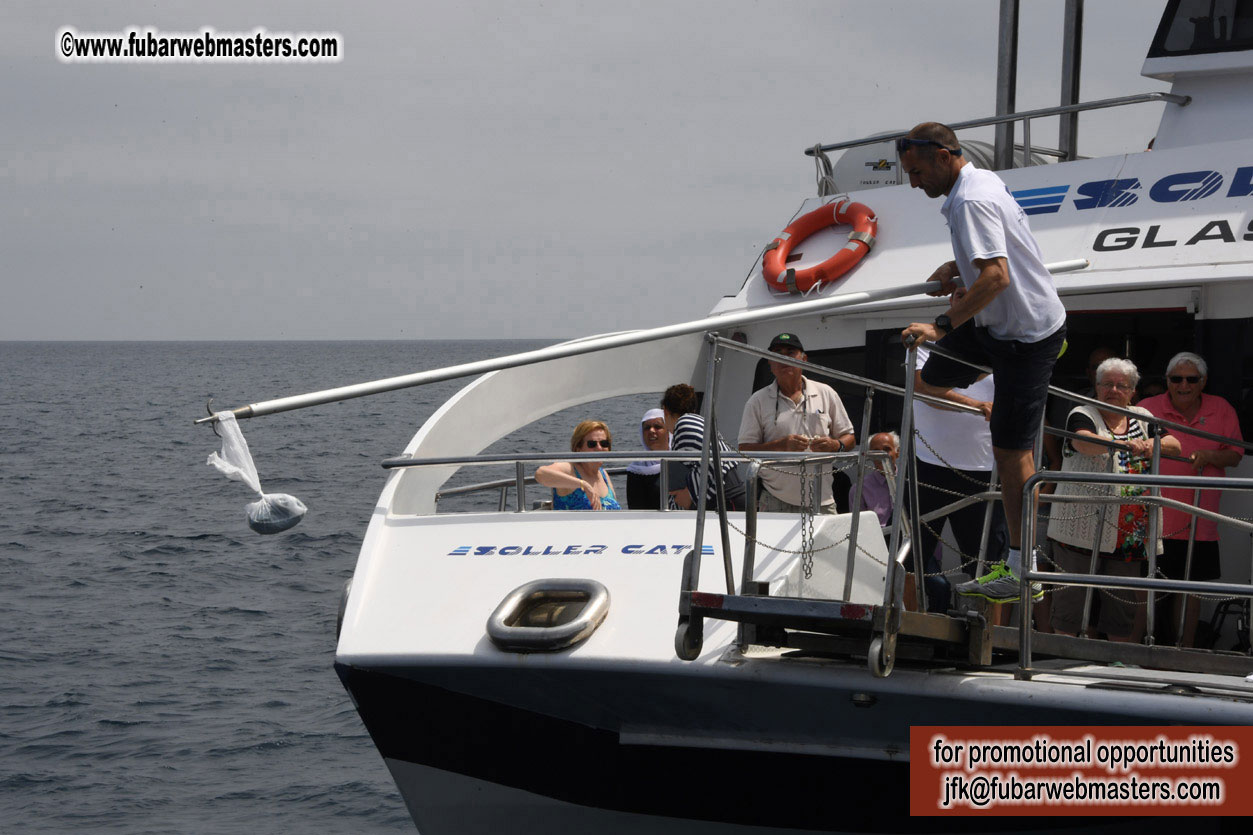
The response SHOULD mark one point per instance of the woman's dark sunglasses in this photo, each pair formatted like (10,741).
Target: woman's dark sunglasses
(905,143)
(590,444)
(1179,378)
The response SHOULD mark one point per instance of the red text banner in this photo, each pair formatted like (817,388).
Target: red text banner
(1080,770)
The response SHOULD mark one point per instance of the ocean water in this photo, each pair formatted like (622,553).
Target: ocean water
(162,667)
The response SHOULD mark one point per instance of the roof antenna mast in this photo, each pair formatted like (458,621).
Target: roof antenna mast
(1072,53)
(1006,83)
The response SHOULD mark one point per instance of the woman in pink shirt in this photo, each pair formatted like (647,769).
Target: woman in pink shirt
(1184,402)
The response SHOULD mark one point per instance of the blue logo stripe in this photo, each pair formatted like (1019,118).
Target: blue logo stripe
(1207,187)
(1041,201)
(1042,210)
(1037,192)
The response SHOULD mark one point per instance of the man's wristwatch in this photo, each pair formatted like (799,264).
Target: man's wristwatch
(944,323)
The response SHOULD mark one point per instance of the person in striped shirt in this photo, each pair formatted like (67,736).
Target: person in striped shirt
(687,433)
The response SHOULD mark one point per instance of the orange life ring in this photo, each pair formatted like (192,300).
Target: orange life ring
(860,241)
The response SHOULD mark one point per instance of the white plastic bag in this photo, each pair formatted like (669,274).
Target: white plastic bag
(272,513)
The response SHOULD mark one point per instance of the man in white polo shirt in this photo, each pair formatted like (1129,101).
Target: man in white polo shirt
(792,414)
(1003,312)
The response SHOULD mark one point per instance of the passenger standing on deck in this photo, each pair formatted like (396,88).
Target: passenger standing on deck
(687,434)
(954,460)
(1120,533)
(644,477)
(1185,402)
(1004,312)
(1058,410)
(793,414)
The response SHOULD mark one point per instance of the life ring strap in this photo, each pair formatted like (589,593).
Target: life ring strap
(865,237)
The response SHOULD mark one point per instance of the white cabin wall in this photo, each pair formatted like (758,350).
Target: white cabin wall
(1218,112)
(1226,301)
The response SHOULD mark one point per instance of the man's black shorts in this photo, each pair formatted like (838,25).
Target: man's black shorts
(1020,371)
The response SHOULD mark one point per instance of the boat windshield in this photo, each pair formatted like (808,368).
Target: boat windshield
(1198,27)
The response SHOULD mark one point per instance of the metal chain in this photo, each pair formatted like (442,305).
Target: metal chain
(783,467)
(807,521)
(958,472)
(776,549)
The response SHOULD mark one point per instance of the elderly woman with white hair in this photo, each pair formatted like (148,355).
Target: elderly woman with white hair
(1185,402)
(1123,529)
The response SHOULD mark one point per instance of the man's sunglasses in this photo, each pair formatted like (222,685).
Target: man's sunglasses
(590,444)
(905,143)
(1181,378)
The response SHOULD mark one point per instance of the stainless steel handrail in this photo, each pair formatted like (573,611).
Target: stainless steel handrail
(1024,115)
(1150,584)
(484,486)
(548,457)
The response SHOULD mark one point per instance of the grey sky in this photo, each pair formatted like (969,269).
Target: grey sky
(530,169)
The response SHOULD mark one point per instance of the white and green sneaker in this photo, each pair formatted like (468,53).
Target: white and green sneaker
(999,586)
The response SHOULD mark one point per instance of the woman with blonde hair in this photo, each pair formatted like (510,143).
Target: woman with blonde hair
(582,485)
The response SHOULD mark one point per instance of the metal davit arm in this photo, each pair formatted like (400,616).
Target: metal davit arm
(583,346)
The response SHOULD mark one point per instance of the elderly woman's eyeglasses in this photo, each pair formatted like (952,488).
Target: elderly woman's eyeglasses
(1116,386)
(1185,378)
(591,444)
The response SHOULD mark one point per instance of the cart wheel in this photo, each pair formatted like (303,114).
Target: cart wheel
(880,663)
(687,641)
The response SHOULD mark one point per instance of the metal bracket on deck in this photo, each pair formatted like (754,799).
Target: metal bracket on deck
(979,639)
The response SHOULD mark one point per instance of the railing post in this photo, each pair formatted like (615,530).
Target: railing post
(891,602)
(915,525)
(690,635)
(520,477)
(721,488)
(750,527)
(863,445)
(1187,570)
(1092,561)
(1150,546)
(1029,516)
(988,510)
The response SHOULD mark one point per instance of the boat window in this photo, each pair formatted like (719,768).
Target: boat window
(1149,338)
(1197,27)
(1228,349)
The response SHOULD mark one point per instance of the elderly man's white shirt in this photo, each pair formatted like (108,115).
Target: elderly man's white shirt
(770,415)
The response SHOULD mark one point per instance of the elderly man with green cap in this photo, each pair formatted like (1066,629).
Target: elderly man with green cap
(793,414)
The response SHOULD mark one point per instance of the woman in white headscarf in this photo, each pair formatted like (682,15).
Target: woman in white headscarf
(644,477)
